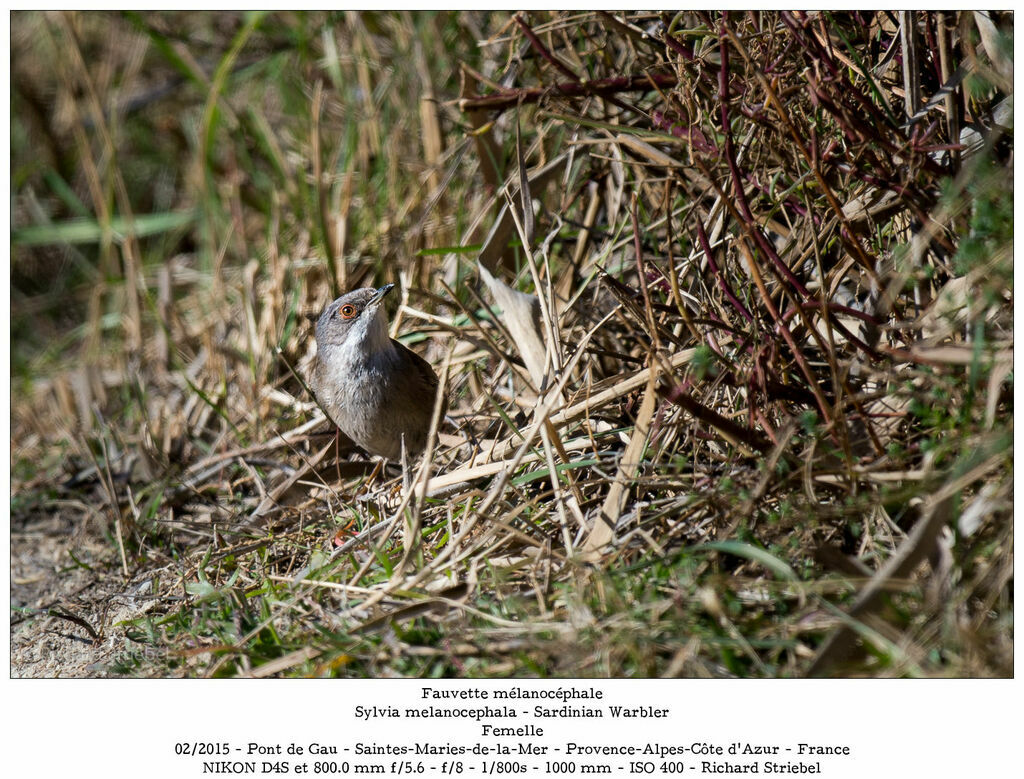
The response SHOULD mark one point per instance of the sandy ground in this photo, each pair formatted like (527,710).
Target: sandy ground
(46,578)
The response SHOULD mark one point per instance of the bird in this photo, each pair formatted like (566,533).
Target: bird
(377,391)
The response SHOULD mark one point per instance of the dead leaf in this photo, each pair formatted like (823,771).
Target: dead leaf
(520,313)
(604,527)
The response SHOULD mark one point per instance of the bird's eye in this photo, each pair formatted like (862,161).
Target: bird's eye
(348,311)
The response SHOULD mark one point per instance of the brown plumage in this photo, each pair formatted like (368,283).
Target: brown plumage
(371,386)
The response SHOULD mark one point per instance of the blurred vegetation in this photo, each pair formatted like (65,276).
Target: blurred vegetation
(768,430)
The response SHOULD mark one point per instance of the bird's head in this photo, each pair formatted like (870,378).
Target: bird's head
(357,318)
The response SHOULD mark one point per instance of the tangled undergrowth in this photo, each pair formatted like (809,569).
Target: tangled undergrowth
(723,303)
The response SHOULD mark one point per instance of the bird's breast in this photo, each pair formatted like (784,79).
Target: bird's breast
(368,398)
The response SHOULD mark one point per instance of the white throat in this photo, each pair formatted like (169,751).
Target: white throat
(367,342)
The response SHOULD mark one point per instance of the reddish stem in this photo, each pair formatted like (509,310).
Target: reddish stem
(706,246)
(509,98)
(542,49)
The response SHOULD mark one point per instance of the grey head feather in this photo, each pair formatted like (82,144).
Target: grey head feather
(356,319)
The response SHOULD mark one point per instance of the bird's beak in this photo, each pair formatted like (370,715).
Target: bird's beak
(379,295)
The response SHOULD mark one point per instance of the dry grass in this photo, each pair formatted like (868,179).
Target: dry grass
(743,407)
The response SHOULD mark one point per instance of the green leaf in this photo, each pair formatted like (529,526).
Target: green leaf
(91,231)
(740,549)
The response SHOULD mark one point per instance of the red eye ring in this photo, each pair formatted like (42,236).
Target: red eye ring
(348,311)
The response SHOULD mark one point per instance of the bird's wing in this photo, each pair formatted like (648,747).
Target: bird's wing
(425,374)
